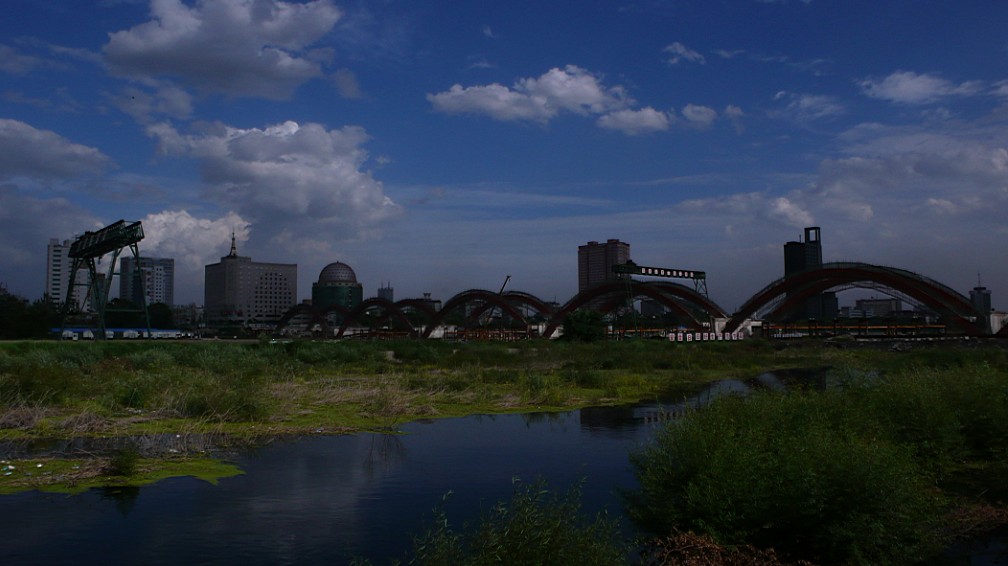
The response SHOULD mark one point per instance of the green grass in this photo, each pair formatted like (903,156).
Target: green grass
(122,388)
(72,476)
(867,472)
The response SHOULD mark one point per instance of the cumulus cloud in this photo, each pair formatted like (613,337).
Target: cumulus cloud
(235,47)
(193,242)
(145,106)
(789,212)
(699,116)
(26,151)
(287,176)
(907,87)
(634,122)
(570,89)
(680,53)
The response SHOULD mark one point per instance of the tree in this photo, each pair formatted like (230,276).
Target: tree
(20,319)
(584,326)
(161,316)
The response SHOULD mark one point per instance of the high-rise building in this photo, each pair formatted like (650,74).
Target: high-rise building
(803,255)
(239,291)
(980,296)
(58,265)
(799,256)
(386,292)
(595,262)
(153,283)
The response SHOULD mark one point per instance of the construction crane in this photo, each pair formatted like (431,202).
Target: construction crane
(488,316)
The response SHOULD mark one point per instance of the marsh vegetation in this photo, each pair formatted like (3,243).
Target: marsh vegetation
(899,452)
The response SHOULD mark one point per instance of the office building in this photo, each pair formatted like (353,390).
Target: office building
(981,299)
(595,262)
(153,283)
(803,255)
(879,307)
(386,292)
(242,292)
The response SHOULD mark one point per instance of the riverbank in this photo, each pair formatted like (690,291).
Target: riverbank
(247,391)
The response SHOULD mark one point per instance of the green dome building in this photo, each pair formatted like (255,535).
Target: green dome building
(337,285)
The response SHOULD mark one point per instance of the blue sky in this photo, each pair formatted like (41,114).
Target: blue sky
(441,146)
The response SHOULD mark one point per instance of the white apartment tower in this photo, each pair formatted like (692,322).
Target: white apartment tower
(58,264)
(155,282)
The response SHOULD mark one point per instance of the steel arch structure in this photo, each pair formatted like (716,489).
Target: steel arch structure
(799,287)
(387,308)
(672,295)
(485,299)
(298,310)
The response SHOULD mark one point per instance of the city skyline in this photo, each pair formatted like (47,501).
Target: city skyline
(446,145)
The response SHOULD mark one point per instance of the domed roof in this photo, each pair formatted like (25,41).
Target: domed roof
(337,272)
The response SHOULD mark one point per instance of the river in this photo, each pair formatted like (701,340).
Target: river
(330,499)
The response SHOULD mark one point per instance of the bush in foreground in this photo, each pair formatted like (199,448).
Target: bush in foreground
(536,527)
(788,472)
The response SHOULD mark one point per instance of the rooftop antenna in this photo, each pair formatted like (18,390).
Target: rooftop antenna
(234,249)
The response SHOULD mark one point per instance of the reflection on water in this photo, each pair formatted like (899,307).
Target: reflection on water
(328,499)
(322,499)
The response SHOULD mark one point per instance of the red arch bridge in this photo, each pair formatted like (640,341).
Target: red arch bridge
(468,312)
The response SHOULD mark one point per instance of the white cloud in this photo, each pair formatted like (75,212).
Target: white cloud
(699,116)
(682,53)
(287,176)
(735,114)
(14,62)
(907,87)
(165,100)
(571,89)
(193,242)
(789,212)
(346,84)
(807,107)
(494,100)
(634,122)
(29,152)
(236,47)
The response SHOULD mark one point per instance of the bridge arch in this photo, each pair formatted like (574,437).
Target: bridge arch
(798,287)
(302,310)
(486,299)
(672,295)
(387,308)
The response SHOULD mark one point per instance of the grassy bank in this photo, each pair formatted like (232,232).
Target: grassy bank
(119,388)
(246,390)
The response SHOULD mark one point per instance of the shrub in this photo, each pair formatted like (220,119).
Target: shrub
(123,462)
(536,527)
(785,472)
(584,326)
